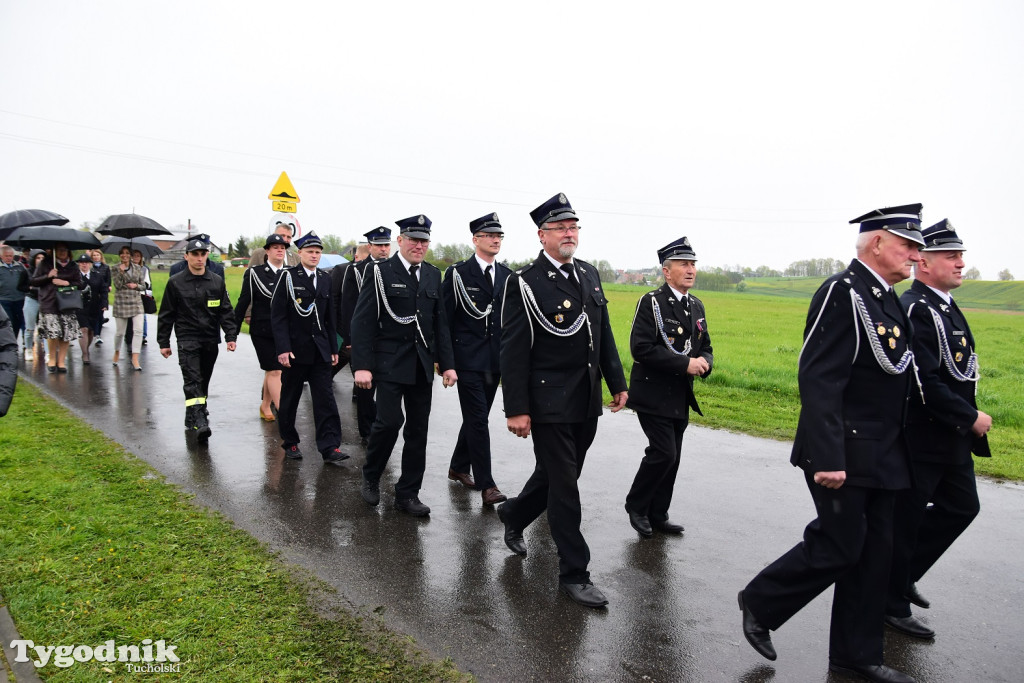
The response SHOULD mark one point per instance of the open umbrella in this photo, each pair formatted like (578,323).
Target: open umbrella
(131,225)
(43,236)
(12,220)
(112,245)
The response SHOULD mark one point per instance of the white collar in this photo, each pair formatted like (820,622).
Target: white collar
(679,295)
(945,296)
(558,265)
(311,274)
(881,279)
(483,264)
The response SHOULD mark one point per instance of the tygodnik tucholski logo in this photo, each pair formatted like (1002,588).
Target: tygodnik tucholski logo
(136,658)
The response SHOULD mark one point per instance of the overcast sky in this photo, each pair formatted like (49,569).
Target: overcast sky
(758,129)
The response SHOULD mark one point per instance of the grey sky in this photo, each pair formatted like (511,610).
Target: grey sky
(757,129)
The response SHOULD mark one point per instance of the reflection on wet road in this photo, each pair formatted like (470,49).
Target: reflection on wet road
(450,582)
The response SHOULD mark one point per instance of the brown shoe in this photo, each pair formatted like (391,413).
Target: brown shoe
(493,496)
(463,479)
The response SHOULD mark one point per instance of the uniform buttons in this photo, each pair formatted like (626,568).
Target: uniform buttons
(854,431)
(543,381)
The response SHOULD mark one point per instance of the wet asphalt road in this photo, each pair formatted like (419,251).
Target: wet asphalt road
(449,581)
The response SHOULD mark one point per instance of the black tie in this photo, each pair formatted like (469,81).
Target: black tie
(413,270)
(571,272)
(489,278)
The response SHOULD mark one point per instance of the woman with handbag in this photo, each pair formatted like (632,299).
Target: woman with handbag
(128,281)
(57,278)
(148,300)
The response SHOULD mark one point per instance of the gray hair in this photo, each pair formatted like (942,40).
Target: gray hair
(6,248)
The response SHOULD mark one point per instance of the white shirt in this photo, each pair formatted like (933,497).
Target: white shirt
(885,284)
(483,267)
(946,296)
(410,265)
(558,265)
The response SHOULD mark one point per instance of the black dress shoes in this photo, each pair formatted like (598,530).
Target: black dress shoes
(871,672)
(463,479)
(513,538)
(916,598)
(667,527)
(640,523)
(756,634)
(334,456)
(911,626)
(412,506)
(585,594)
(370,491)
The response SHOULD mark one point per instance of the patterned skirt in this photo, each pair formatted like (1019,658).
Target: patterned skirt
(60,326)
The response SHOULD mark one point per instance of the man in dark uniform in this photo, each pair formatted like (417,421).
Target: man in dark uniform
(943,426)
(670,345)
(196,307)
(473,291)
(379,241)
(556,344)
(92,287)
(399,331)
(855,372)
(215,267)
(307,347)
(8,362)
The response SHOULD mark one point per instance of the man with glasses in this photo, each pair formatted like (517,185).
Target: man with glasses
(473,291)
(399,331)
(556,345)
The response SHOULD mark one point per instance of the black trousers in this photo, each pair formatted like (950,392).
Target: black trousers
(922,533)
(473,447)
(560,450)
(196,360)
(325,408)
(384,433)
(651,493)
(849,545)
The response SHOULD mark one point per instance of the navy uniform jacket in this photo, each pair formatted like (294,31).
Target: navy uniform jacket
(476,341)
(310,338)
(351,285)
(258,284)
(215,267)
(852,411)
(659,383)
(386,347)
(940,428)
(555,378)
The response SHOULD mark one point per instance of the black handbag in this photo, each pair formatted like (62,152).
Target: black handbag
(148,303)
(69,299)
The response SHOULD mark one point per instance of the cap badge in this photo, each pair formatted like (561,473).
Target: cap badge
(562,199)
(421,220)
(494,216)
(881,330)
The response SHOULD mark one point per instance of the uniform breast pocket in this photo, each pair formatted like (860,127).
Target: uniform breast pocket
(547,392)
(861,439)
(598,298)
(431,294)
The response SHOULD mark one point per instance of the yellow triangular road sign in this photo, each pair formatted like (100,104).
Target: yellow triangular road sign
(283,189)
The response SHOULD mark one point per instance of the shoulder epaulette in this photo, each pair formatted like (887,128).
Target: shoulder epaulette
(524,268)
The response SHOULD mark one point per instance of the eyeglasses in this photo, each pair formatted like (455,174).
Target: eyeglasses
(564,231)
(485,235)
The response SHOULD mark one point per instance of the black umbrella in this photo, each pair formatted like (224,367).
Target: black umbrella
(45,236)
(12,220)
(112,245)
(131,225)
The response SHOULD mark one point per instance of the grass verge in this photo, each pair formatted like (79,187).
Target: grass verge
(95,546)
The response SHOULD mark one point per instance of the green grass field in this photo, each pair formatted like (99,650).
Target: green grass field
(94,545)
(757,339)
